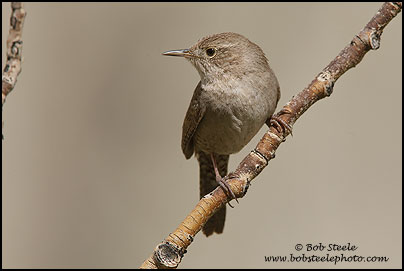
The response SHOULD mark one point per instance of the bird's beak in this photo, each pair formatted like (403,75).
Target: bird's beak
(182,52)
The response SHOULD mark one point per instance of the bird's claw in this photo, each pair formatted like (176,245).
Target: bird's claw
(227,190)
(279,124)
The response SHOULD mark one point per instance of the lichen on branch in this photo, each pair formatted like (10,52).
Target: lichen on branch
(14,50)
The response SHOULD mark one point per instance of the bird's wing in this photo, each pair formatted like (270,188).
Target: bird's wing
(195,113)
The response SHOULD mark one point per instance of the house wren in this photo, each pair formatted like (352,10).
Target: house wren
(237,94)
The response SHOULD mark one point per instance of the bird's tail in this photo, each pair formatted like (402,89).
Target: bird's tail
(207,183)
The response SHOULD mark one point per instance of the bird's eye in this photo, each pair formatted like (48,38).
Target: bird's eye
(211,52)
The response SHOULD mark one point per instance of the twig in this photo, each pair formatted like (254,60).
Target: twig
(14,50)
(169,253)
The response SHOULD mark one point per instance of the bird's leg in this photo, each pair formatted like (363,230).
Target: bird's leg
(279,123)
(225,186)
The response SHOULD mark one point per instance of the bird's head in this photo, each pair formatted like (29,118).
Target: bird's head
(224,53)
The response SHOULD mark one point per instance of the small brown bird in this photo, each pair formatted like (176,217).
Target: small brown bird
(236,96)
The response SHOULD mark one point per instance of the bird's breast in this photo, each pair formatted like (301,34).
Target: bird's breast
(234,114)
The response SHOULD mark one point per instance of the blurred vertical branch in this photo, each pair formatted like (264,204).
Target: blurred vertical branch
(169,253)
(14,50)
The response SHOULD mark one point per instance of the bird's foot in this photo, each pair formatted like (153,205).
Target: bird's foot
(226,188)
(222,182)
(279,124)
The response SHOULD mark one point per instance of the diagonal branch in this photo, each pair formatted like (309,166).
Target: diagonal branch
(169,253)
(14,50)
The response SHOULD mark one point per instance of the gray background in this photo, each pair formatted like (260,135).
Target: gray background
(93,173)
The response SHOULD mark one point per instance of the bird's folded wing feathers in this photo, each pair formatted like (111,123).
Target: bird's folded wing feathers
(195,113)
